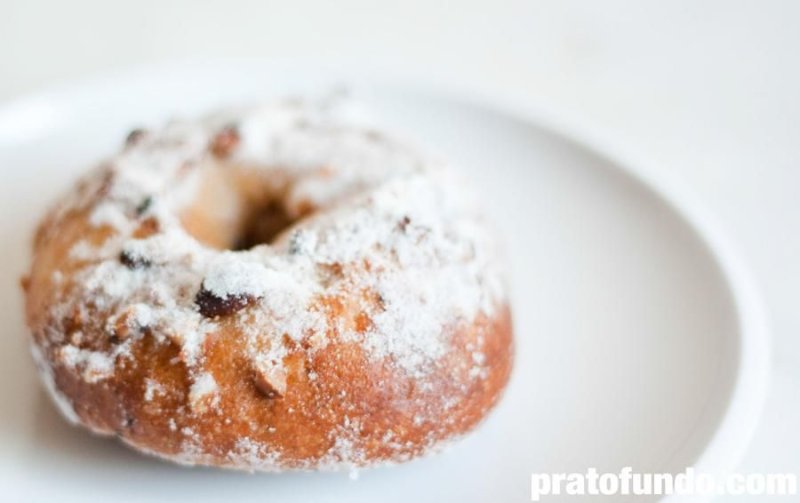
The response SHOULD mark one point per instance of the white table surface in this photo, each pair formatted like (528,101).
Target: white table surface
(703,92)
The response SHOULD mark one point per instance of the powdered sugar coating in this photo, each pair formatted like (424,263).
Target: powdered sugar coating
(405,227)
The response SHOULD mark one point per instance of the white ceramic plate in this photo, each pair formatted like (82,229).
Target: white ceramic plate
(639,342)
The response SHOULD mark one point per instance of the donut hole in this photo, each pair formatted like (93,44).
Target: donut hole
(262,225)
(238,209)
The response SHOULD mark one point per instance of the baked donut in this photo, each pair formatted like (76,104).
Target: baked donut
(271,288)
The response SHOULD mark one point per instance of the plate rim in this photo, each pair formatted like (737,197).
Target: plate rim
(724,449)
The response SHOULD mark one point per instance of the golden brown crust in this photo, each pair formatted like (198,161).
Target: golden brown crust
(134,338)
(396,417)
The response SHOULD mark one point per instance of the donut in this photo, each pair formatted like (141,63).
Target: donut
(273,287)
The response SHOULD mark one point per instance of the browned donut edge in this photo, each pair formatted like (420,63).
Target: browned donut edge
(354,411)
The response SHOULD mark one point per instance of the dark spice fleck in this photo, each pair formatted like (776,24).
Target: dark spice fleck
(403,223)
(135,136)
(225,141)
(133,261)
(271,382)
(145,205)
(212,306)
(296,243)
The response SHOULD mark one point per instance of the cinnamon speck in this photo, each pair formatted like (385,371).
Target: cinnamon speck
(147,228)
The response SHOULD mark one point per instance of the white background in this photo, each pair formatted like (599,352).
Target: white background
(705,93)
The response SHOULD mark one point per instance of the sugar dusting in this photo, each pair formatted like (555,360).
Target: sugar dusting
(432,260)
(94,365)
(62,403)
(202,391)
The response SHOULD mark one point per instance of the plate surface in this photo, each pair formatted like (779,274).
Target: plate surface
(637,344)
